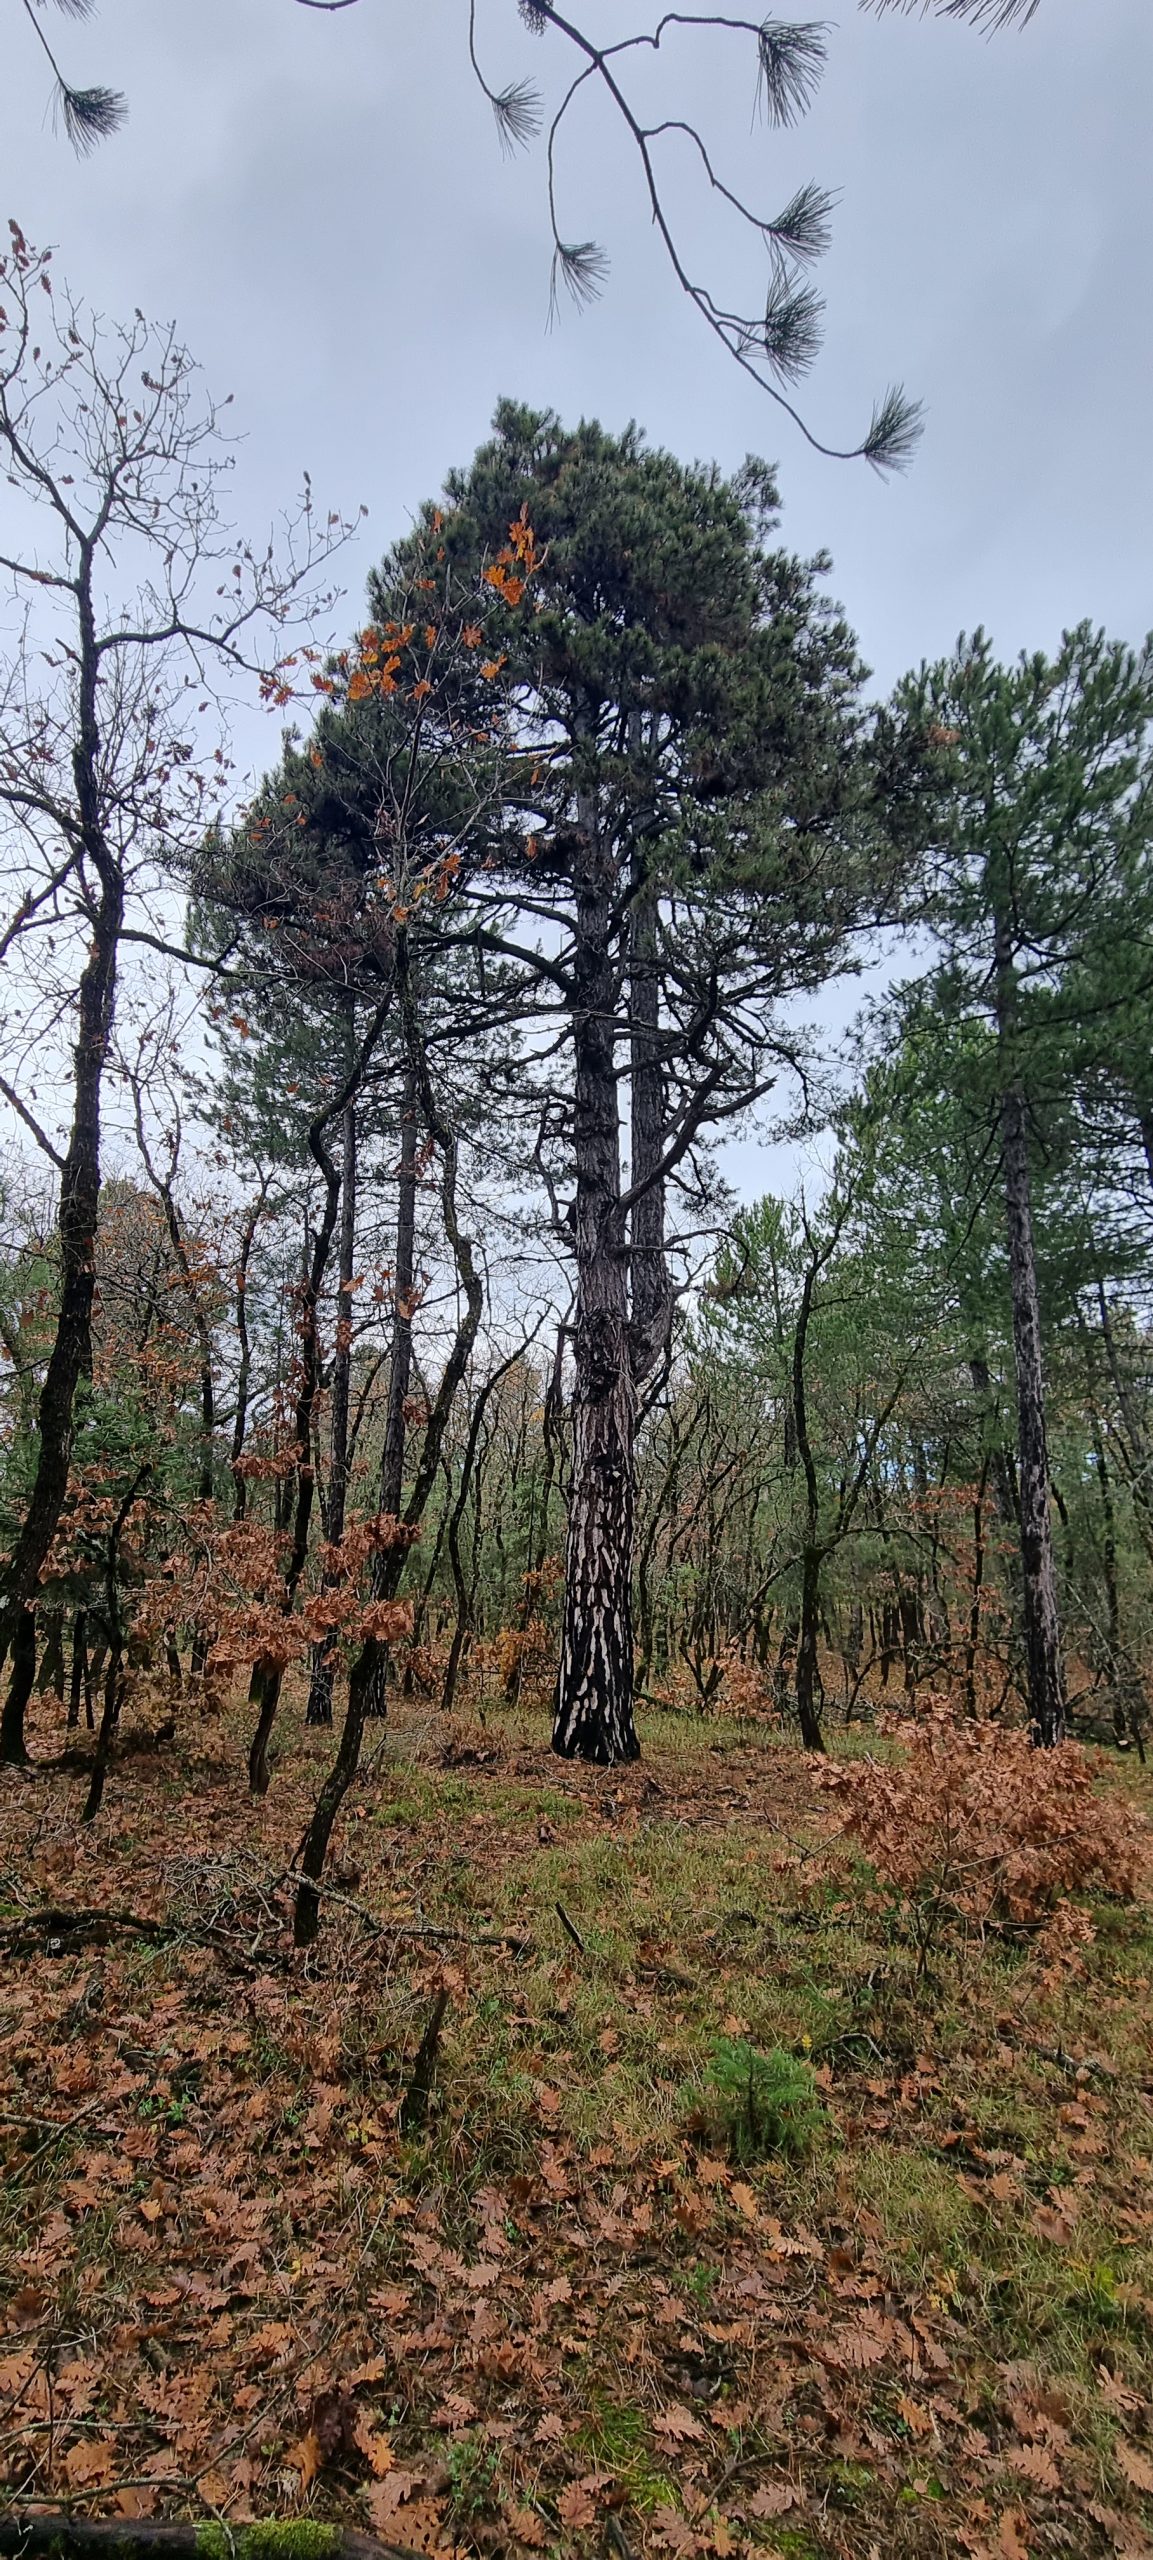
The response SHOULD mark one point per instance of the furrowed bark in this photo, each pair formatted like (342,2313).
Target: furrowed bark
(593,1717)
(652,1305)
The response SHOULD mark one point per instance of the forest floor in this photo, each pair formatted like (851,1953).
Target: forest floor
(562,2317)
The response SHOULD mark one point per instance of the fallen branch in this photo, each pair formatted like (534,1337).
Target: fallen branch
(406,1928)
(53,1932)
(66,2537)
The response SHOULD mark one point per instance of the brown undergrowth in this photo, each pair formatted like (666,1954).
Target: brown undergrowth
(571,2312)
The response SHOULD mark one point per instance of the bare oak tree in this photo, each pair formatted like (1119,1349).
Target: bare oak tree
(132,609)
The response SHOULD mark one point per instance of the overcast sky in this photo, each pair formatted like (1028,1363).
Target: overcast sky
(320,203)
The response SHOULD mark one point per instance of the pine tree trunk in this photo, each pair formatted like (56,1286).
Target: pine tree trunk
(1046,1687)
(651,1298)
(593,1716)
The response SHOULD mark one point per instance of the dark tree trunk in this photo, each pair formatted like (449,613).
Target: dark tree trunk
(13,1746)
(244,1370)
(71,1354)
(51,1674)
(809,1691)
(399,1364)
(268,1677)
(1004,1472)
(79,1681)
(324,1656)
(974,1635)
(109,1722)
(593,1717)
(366,1669)
(1046,1686)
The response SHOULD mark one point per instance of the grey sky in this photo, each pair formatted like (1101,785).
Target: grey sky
(321,204)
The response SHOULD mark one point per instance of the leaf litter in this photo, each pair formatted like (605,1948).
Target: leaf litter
(561,2316)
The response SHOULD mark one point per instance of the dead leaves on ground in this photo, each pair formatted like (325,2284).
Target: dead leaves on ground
(230,2288)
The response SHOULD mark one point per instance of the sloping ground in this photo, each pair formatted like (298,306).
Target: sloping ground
(564,2315)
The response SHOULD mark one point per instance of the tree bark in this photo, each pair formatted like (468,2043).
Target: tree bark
(593,1716)
(808,1675)
(1043,1667)
(324,1656)
(400,1360)
(71,1355)
(651,1308)
(244,1370)
(366,1668)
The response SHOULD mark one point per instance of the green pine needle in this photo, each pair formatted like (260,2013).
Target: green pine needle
(90,115)
(792,58)
(894,431)
(792,335)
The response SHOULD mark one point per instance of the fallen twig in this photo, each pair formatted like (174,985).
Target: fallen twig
(570,1930)
(411,1929)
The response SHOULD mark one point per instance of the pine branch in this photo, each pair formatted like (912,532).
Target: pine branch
(792,331)
(792,58)
(894,431)
(90,115)
(518,114)
(583,267)
(991,14)
(803,230)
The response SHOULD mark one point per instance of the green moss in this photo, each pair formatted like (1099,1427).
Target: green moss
(300,2538)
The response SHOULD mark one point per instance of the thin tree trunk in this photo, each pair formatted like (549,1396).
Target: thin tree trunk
(400,1358)
(365,1669)
(810,1689)
(808,1677)
(324,1656)
(78,1685)
(268,1676)
(977,1586)
(244,1371)
(71,1355)
(1046,1687)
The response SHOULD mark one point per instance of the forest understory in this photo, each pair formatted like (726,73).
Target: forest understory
(743,2202)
